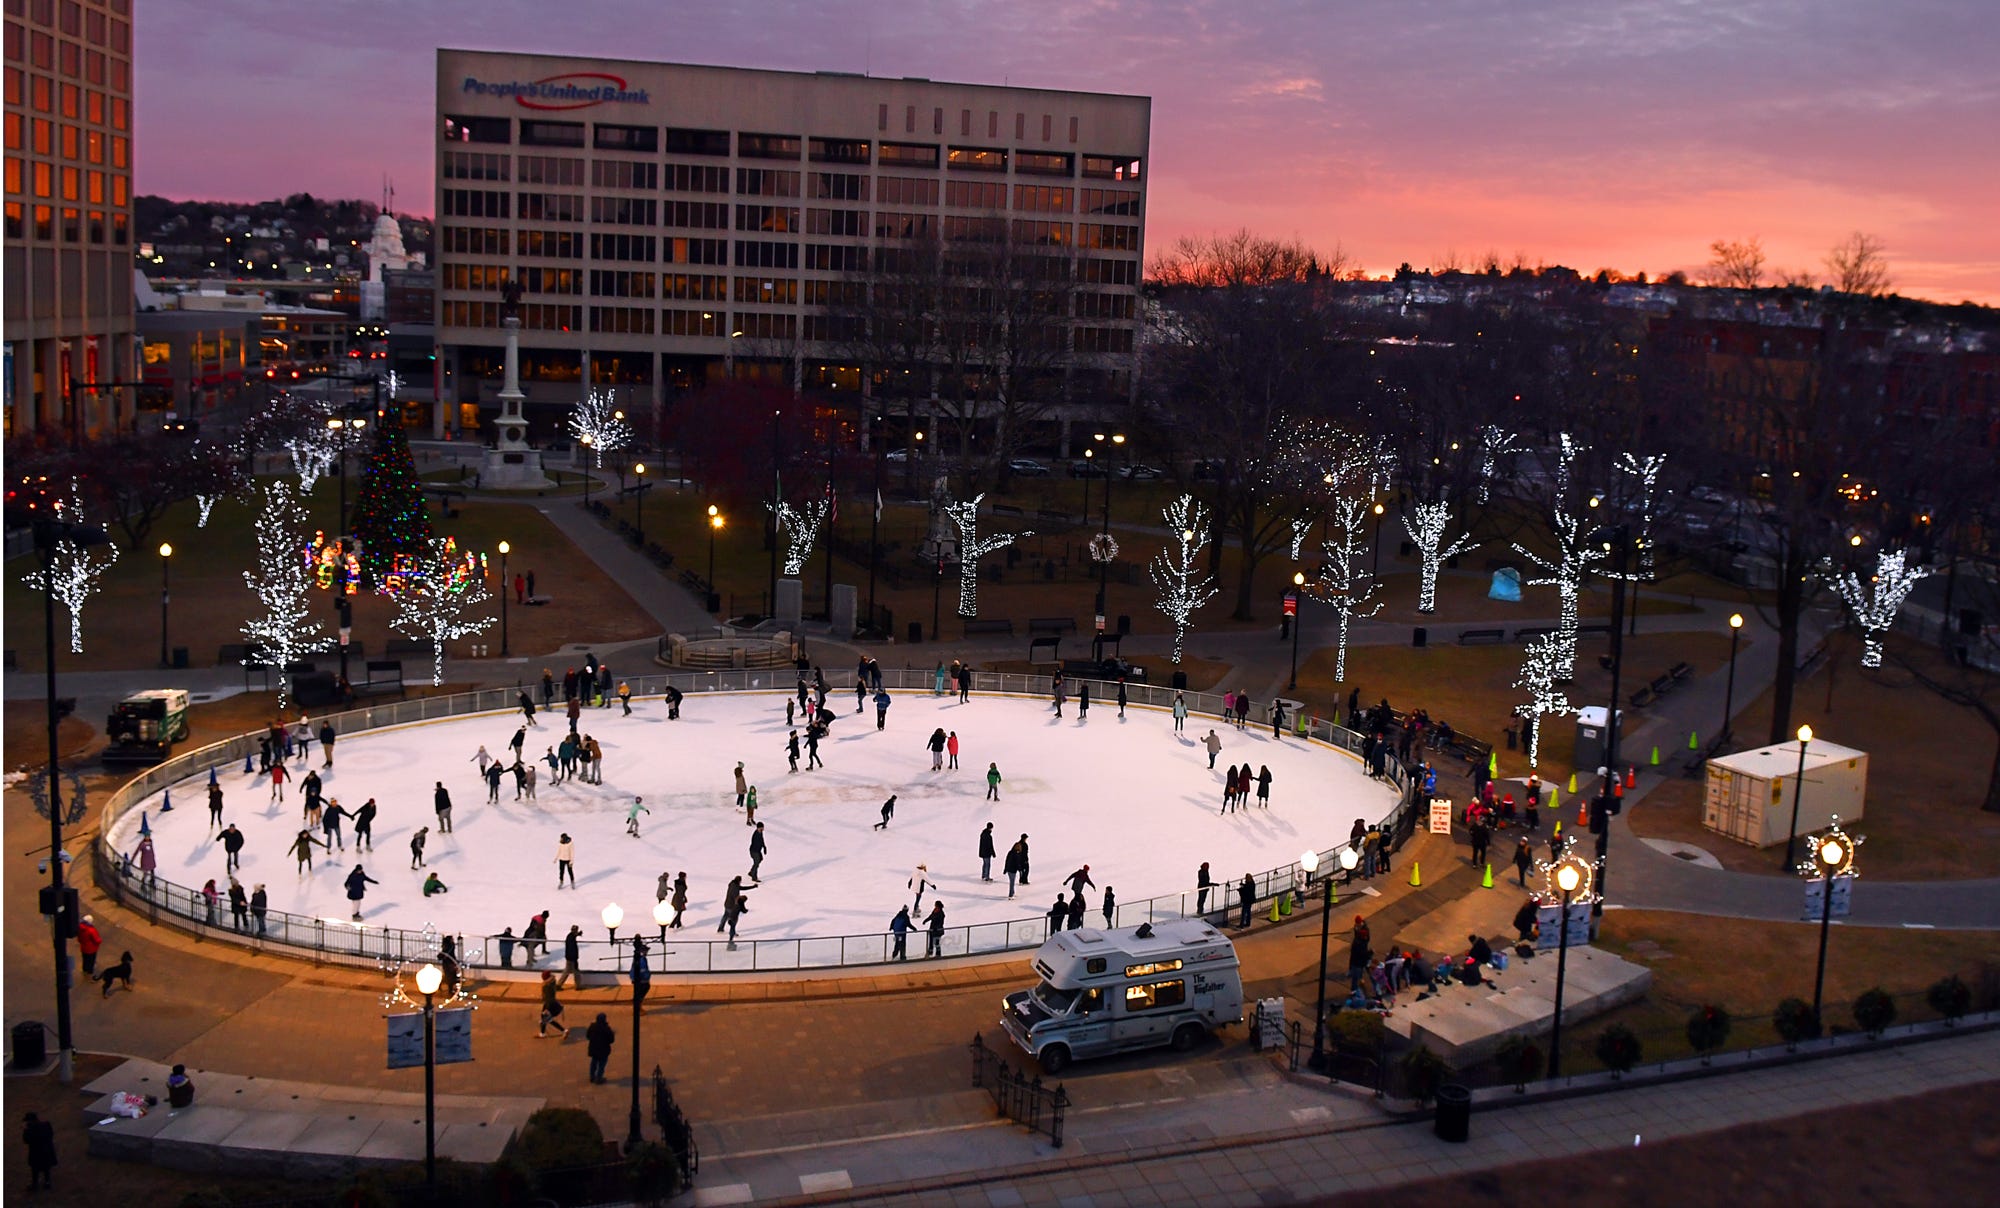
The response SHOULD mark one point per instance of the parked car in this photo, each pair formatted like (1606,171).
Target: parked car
(1085,468)
(1027,467)
(1140,472)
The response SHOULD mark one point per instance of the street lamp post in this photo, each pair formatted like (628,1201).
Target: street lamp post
(341,427)
(166,553)
(1104,564)
(1798,791)
(1298,620)
(1620,540)
(1379,510)
(613,914)
(505,587)
(1569,876)
(589,476)
(429,978)
(715,523)
(642,981)
(1832,854)
(639,500)
(1729,693)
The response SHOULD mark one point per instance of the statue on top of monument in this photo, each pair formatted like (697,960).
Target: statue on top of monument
(510,299)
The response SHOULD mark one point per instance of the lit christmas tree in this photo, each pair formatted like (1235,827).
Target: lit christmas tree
(74,570)
(971,548)
(1184,587)
(1426,523)
(1538,675)
(1576,553)
(440,600)
(289,627)
(1876,602)
(389,518)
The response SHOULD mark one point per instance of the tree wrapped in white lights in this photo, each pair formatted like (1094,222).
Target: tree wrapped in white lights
(1341,582)
(599,424)
(1538,676)
(437,601)
(290,626)
(73,571)
(1426,524)
(1576,553)
(1494,443)
(1876,602)
(1183,587)
(971,548)
(800,528)
(1301,527)
(1647,471)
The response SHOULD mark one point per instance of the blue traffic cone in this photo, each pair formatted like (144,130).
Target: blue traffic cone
(246,764)
(211,772)
(167,802)
(145,827)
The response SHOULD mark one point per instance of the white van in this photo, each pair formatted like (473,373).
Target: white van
(1129,988)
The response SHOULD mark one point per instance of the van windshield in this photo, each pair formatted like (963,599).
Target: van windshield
(1054,999)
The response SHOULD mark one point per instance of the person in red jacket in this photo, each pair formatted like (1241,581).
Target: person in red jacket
(88,941)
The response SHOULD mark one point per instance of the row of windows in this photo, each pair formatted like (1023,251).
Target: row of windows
(749,145)
(76,21)
(77,143)
(70,60)
(64,100)
(624,283)
(51,182)
(535,316)
(72,225)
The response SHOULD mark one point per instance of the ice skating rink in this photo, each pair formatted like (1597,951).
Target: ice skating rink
(1131,798)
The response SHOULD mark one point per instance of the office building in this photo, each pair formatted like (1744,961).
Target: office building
(675,226)
(69,327)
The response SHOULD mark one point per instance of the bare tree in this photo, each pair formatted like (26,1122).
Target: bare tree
(1735,265)
(1858,264)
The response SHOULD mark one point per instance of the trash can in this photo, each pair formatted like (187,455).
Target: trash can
(916,633)
(714,602)
(1180,681)
(30,1045)
(1420,637)
(1454,1113)
(1592,735)
(180,658)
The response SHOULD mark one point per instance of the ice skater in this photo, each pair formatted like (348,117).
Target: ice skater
(358,882)
(733,907)
(881,708)
(565,861)
(1180,716)
(302,849)
(1083,701)
(899,932)
(750,807)
(792,743)
(331,825)
(278,777)
(364,826)
(935,742)
(492,774)
(888,812)
(1214,745)
(986,853)
(232,849)
(993,783)
(812,749)
(757,850)
(920,880)
(417,846)
(680,899)
(481,758)
(632,816)
(1121,698)
(528,708)
(951,750)
(441,802)
(215,804)
(934,931)
(625,698)
(742,785)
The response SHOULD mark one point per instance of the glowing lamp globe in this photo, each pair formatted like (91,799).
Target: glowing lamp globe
(1568,878)
(663,912)
(613,915)
(1309,861)
(429,978)
(1349,858)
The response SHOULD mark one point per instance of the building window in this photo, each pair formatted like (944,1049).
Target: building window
(767,146)
(767,182)
(976,159)
(1097,271)
(1045,163)
(1107,236)
(459,129)
(964,228)
(475,241)
(754,325)
(836,257)
(837,150)
(551,245)
(754,253)
(15,212)
(696,178)
(852,223)
(701,215)
(624,174)
(551,170)
(475,203)
(622,247)
(548,207)
(694,287)
(697,142)
(626,138)
(691,322)
(622,320)
(882,116)
(836,293)
(551,134)
(837,186)
(893,225)
(545,316)
(975,195)
(537,279)
(1110,167)
(1047,234)
(909,155)
(771,291)
(775,219)
(476,165)
(624,211)
(907,191)
(694,251)
(1123,203)
(1042,199)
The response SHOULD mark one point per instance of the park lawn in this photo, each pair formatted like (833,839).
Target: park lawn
(1927,767)
(210,601)
(1746,967)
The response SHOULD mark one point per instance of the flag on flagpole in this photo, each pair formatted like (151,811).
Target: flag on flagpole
(878,504)
(832,504)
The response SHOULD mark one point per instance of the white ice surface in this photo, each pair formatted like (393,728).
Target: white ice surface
(1132,799)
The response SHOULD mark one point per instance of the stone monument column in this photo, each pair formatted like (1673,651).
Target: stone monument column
(512,464)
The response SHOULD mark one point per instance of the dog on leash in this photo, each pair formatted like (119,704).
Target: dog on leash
(120,972)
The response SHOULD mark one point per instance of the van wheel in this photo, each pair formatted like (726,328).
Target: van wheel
(1187,1036)
(1055,1059)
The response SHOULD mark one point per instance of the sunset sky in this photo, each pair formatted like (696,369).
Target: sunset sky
(1592,133)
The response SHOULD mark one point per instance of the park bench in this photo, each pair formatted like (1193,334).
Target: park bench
(1662,684)
(1475,751)
(384,675)
(985,628)
(1008,509)
(1600,629)
(1482,637)
(1054,625)
(694,582)
(1035,646)
(661,558)
(1679,672)
(1532,632)
(1052,519)
(1641,698)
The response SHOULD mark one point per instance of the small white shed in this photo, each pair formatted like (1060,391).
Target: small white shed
(1750,793)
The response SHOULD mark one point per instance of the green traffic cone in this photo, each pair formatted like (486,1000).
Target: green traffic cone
(1555,799)
(1486,882)
(1656,756)
(1274,908)
(1693,743)
(1572,782)
(1493,762)
(1416,876)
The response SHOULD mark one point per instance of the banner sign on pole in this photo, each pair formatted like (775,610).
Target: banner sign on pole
(406,1038)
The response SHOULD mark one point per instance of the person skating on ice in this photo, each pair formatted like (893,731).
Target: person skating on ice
(750,807)
(742,785)
(278,777)
(680,898)
(1121,698)
(565,861)
(993,783)
(232,848)
(951,750)
(357,885)
(527,705)
(899,932)
(888,812)
(215,804)
(733,907)
(417,846)
(1214,746)
(331,824)
(936,744)
(481,758)
(882,709)
(934,930)
(625,698)
(757,850)
(632,813)
(1180,716)
(792,746)
(919,882)
(364,826)
(986,853)
(301,849)
(493,773)
(441,804)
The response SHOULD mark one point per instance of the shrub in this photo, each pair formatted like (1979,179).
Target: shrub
(1708,1030)
(1795,1020)
(655,1174)
(1423,1072)
(560,1138)
(1874,1011)
(1618,1048)
(1356,1030)
(1950,997)
(1520,1061)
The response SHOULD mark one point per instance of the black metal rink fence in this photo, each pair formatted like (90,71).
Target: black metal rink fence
(1016,1096)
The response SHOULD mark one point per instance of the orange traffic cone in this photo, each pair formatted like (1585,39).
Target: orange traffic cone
(1631,777)
(1582,811)
(1618,789)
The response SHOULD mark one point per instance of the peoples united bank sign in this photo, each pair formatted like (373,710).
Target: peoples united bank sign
(574,90)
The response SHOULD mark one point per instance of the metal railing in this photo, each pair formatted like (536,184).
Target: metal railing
(342,941)
(1017,1096)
